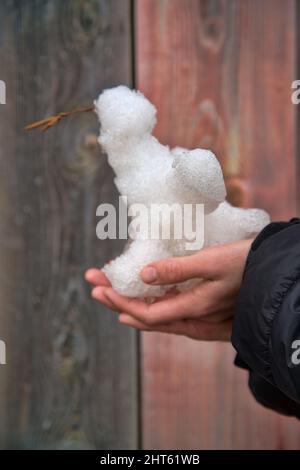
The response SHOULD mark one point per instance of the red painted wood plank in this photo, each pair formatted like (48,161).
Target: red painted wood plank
(220,74)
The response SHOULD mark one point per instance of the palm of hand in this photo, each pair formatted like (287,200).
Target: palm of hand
(204,312)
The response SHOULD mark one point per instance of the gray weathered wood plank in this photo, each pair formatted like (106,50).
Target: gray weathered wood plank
(71,377)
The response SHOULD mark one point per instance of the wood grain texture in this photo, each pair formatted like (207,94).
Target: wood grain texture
(220,73)
(297,107)
(71,377)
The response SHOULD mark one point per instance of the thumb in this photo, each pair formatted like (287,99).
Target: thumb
(179,269)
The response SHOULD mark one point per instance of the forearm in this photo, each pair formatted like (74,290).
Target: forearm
(266,327)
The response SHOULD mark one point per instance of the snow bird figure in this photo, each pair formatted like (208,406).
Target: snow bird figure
(150,174)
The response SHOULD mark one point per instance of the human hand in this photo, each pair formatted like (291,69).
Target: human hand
(203,312)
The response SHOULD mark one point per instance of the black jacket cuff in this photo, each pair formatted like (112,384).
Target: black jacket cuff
(266,327)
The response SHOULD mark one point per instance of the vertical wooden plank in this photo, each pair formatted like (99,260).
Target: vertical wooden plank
(71,375)
(297,110)
(220,73)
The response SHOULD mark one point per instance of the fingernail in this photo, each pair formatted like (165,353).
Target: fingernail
(149,274)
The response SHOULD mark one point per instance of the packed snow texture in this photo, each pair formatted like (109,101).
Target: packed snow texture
(148,172)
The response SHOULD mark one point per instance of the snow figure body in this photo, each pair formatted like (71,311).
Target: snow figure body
(148,173)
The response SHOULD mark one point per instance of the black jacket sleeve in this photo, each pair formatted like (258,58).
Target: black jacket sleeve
(266,327)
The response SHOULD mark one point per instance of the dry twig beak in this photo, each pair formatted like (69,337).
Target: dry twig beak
(46,123)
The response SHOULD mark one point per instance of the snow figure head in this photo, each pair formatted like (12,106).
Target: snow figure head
(149,173)
(124,114)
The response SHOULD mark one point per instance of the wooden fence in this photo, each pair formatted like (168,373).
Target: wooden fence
(220,73)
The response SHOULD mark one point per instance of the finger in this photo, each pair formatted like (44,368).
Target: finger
(138,308)
(218,317)
(195,302)
(96,277)
(98,294)
(178,269)
(207,331)
(167,295)
(199,330)
(128,320)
